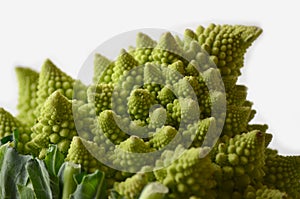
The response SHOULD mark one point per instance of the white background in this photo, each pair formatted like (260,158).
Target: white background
(68,31)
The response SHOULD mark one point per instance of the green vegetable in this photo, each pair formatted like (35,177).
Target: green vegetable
(165,119)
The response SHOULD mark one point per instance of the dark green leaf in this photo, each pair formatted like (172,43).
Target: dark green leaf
(16,137)
(6,139)
(39,178)
(92,186)
(53,161)
(12,171)
(25,192)
(79,177)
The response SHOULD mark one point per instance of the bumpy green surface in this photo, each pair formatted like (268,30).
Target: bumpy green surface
(283,173)
(55,125)
(28,83)
(9,124)
(174,90)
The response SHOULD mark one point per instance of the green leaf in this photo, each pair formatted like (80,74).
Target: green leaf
(16,137)
(25,192)
(12,171)
(6,139)
(39,178)
(53,161)
(154,190)
(92,186)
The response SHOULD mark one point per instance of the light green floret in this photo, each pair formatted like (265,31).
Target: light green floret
(172,73)
(55,125)
(199,131)
(126,155)
(162,137)
(100,96)
(132,187)
(241,159)
(194,84)
(182,111)
(167,50)
(227,44)
(125,62)
(236,121)
(213,79)
(84,117)
(237,96)
(8,124)
(212,103)
(158,118)
(53,79)
(101,66)
(166,95)
(79,154)
(144,48)
(184,89)
(263,193)
(28,83)
(139,104)
(153,78)
(107,128)
(190,175)
(283,173)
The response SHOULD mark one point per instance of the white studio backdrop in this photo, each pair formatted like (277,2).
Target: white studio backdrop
(68,31)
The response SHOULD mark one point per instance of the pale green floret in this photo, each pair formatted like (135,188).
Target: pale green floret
(84,117)
(263,193)
(100,96)
(283,173)
(241,159)
(144,48)
(132,187)
(78,154)
(213,79)
(182,112)
(125,62)
(199,131)
(167,50)
(190,175)
(127,154)
(158,118)
(227,44)
(153,78)
(52,79)
(183,89)
(9,124)
(166,95)
(107,128)
(139,104)
(162,105)
(236,120)
(28,83)
(162,137)
(237,96)
(101,64)
(55,125)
